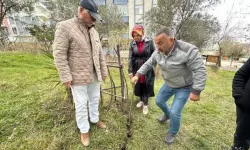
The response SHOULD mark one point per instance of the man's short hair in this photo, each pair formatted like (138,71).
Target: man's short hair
(168,31)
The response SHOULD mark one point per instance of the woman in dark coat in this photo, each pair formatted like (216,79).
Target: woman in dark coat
(241,94)
(141,48)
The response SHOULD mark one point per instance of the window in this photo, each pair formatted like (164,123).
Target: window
(138,2)
(12,20)
(154,3)
(126,19)
(123,9)
(14,30)
(17,19)
(37,19)
(33,19)
(27,18)
(138,18)
(120,2)
(5,30)
(139,10)
(101,2)
(25,29)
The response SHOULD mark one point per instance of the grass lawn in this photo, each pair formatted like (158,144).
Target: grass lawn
(36,116)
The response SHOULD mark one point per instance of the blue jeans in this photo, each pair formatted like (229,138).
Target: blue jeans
(181,95)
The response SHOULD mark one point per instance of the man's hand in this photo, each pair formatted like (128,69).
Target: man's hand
(130,76)
(134,80)
(194,97)
(67,84)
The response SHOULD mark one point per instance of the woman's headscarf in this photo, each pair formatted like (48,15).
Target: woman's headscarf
(138,29)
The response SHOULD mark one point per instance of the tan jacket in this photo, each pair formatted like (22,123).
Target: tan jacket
(77,58)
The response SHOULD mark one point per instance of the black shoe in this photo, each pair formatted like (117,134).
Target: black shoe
(163,119)
(169,139)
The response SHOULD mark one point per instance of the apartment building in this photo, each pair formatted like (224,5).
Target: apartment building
(17,24)
(133,10)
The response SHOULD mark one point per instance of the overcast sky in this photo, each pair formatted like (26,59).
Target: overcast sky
(240,16)
(241,11)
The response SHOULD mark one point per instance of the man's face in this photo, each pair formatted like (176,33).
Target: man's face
(86,17)
(164,43)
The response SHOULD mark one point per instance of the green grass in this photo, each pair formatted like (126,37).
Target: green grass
(35,116)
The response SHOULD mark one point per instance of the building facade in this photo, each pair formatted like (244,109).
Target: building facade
(133,10)
(17,24)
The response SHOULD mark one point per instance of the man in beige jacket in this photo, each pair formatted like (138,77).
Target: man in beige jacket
(81,65)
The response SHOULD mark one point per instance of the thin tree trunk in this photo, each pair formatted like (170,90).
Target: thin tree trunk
(232,59)
(220,55)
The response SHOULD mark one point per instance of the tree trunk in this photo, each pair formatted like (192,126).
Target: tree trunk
(232,59)
(220,55)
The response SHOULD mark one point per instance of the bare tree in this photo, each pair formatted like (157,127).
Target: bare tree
(230,30)
(12,6)
(232,49)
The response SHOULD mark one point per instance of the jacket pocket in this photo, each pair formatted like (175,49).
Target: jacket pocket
(188,79)
(176,82)
(244,100)
(242,103)
(238,100)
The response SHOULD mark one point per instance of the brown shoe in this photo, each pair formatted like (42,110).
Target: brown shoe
(85,139)
(101,125)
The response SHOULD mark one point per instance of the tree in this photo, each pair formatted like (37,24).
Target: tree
(112,21)
(187,17)
(62,9)
(199,31)
(12,6)
(231,48)
(44,35)
(113,28)
(231,30)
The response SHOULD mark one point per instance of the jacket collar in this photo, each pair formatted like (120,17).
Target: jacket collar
(146,39)
(81,23)
(173,49)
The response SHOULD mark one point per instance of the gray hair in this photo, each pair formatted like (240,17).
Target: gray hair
(168,31)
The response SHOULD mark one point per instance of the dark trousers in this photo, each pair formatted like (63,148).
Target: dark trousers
(143,93)
(242,134)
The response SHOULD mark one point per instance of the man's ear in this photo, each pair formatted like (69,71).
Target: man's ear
(172,39)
